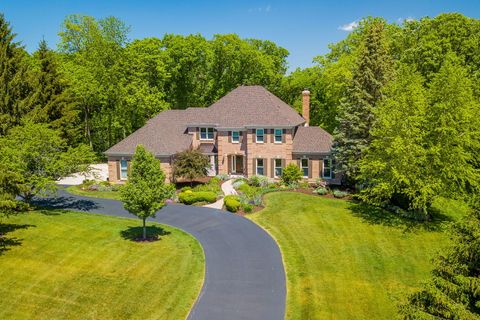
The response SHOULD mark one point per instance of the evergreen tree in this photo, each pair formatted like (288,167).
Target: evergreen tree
(14,87)
(356,115)
(453,292)
(394,167)
(50,101)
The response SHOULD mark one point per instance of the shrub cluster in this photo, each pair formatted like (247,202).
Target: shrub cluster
(92,185)
(340,194)
(232,203)
(291,174)
(190,197)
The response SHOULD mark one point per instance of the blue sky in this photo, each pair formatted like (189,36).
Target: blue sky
(304,28)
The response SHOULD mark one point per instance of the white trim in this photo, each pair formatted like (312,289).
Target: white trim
(122,169)
(262,166)
(307,167)
(231,134)
(275,167)
(275,136)
(206,133)
(263,135)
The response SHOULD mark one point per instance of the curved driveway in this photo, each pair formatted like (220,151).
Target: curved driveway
(244,271)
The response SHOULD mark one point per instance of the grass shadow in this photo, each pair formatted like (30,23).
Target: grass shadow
(64,202)
(7,242)
(135,233)
(376,215)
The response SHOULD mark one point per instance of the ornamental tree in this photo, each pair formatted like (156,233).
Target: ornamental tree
(190,164)
(146,191)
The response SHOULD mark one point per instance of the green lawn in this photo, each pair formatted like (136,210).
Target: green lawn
(96,194)
(58,265)
(346,261)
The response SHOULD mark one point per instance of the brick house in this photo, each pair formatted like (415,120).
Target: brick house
(249,131)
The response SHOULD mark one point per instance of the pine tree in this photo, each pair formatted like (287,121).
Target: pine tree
(356,116)
(14,85)
(453,292)
(50,101)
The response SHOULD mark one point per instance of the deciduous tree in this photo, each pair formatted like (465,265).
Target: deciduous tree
(146,191)
(190,164)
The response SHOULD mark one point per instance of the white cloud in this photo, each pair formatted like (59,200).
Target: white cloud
(407,19)
(266,9)
(349,26)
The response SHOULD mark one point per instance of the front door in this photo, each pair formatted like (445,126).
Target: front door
(238,164)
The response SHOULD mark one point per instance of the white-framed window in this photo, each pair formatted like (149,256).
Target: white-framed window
(304,167)
(206,133)
(327,168)
(260,167)
(278,167)
(260,135)
(278,135)
(235,136)
(123,169)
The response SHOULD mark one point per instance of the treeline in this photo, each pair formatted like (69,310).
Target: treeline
(98,87)
(403,104)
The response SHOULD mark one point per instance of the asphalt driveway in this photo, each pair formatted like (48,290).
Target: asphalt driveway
(244,277)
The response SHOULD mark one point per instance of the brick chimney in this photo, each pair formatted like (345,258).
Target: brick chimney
(306,106)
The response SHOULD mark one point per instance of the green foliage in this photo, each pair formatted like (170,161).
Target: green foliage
(247,207)
(146,191)
(425,142)
(453,291)
(291,174)
(232,203)
(258,181)
(14,79)
(50,100)
(190,197)
(190,164)
(249,191)
(39,156)
(211,186)
(340,194)
(356,117)
(321,191)
(10,186)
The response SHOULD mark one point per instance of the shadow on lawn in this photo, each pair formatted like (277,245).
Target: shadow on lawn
(64,202)
(6,242)
(135,233)
(375,215)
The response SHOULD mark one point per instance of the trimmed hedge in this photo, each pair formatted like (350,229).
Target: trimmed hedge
(232,203)
(189,197)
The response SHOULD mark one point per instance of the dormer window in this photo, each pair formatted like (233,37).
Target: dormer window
(278,135)
(206,133)
(260,135)
(235,136)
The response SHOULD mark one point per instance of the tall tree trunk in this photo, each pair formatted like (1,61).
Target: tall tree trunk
(144,230)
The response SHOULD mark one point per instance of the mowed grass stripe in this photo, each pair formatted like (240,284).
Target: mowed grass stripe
(78,266)
(342,263)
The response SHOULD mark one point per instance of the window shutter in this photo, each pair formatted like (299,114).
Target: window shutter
(128,168)
(310,162)
(284,133)
(254,134)
(333,169)
(254,166)
(229,164)
(272,135)
(272,169)
(283,163)
(229,133)
(265,167)
(240,137)
(118,170)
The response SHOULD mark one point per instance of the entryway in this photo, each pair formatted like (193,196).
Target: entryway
(237,164)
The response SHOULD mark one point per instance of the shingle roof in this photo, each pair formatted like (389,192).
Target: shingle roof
(245,106)
(312,140)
